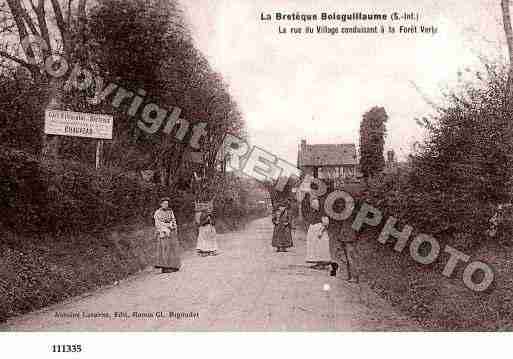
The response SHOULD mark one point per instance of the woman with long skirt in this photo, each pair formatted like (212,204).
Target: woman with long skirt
(282,234)
(207,241)
(168,248)
(318,250)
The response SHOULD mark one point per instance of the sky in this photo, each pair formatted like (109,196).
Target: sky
(317,86)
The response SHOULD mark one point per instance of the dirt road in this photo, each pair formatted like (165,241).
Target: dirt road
(247,287)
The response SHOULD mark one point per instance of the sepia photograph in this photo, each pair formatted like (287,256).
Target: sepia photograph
(239,166)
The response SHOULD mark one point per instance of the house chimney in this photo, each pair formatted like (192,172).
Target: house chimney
(303,144)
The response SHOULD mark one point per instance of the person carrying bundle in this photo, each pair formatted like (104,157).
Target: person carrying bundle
(207,241)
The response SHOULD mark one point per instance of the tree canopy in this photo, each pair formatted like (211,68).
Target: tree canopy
(372,141)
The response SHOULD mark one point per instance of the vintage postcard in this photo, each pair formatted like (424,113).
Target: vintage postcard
(255,166)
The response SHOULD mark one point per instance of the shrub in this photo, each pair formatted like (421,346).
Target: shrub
(455,184)
(68,196)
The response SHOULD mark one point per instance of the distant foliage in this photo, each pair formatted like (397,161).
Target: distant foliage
(453,187)
(372,141)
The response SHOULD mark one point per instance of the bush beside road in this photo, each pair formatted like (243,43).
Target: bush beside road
(67,229)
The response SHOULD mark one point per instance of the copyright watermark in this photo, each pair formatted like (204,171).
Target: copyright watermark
(423,248)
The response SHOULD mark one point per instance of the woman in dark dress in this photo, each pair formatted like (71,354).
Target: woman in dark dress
(282,235)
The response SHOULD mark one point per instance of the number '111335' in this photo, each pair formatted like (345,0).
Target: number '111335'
(66,348)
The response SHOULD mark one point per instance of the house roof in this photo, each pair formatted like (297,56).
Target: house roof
(327,155)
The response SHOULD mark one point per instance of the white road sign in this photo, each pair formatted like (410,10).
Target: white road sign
(78,124)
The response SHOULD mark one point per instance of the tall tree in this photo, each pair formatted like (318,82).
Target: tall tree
(133,40)
(372,141)
(47,20)
(140,45)
(506,19)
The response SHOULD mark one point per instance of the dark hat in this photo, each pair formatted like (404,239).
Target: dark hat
(165,199)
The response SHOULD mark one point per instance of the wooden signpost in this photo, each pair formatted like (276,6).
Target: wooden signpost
(79,124)
(99,148)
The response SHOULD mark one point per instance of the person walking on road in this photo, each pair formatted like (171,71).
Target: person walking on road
(166,232)
(207,241)
(282,234)
(318,250)
(349,238)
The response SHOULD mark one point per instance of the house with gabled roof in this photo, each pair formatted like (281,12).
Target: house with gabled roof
(328,161)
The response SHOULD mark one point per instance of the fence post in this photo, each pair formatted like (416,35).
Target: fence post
(99,146)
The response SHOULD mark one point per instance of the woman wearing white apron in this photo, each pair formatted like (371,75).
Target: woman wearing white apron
(207,242)
(317,239)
